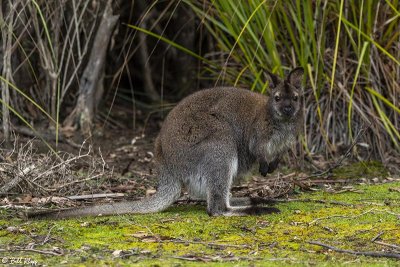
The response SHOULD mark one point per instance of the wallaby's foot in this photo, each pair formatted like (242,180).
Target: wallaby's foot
(255,210)
(255,201)
(244,211)
(251,201)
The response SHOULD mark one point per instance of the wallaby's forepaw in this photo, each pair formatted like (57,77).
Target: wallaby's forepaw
(264,168)
(273,165)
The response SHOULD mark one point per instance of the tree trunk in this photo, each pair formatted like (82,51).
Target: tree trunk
(7,43)
(91,82)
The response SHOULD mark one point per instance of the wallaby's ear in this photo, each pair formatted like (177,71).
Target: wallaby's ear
(295,77)
(274,79)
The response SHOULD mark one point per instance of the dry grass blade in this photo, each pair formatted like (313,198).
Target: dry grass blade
(343,52)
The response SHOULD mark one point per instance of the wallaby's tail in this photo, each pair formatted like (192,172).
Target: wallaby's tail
(166,195)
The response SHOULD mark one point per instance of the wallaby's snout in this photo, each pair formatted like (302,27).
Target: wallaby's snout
(287,111)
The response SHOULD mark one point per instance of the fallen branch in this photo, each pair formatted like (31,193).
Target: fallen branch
(353,252)
(180,241)
(387,244)
(314,201)
(212,258)
(46,136)
(324,181)
(377,236)
(355,216)
(340,216)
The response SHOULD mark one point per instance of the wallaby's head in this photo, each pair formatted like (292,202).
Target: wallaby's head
(286,95)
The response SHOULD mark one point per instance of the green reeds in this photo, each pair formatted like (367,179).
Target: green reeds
(350,50)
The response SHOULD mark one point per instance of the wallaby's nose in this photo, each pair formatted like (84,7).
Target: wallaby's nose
(287,110)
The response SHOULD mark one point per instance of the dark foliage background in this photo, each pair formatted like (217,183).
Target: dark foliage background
(48,78)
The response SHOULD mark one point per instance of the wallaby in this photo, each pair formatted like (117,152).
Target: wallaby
(210,139)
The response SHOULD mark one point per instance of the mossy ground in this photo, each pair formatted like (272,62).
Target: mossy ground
(368,169)
(188,232)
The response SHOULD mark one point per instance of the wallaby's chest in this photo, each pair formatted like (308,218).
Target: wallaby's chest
(280,140)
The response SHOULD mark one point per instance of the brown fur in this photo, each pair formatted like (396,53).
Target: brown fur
(212,138)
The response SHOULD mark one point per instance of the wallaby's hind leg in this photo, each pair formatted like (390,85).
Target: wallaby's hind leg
(219,181)
(218,203)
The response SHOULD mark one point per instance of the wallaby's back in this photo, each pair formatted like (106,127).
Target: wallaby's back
(205,113)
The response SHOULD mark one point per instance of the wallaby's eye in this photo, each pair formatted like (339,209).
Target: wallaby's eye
(295,98)
(277,98)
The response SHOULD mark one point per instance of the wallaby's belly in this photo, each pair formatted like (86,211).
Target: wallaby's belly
(202,179)
(197,186)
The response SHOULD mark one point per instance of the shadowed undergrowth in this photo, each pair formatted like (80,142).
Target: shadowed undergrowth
(186,235)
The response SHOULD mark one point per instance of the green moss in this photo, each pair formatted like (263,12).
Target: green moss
(367,169)
(187,231)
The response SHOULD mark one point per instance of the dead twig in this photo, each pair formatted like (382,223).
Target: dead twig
(314,201)
(354,252)
(387,245)
(339,216)
(211,258)
(211,244)
(48,237)
(46,136)
(352,217)
(377,236)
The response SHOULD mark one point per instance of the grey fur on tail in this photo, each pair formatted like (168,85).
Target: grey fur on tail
(165,196)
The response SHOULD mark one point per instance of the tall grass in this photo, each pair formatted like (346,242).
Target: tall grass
(47,43)
(350,49)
